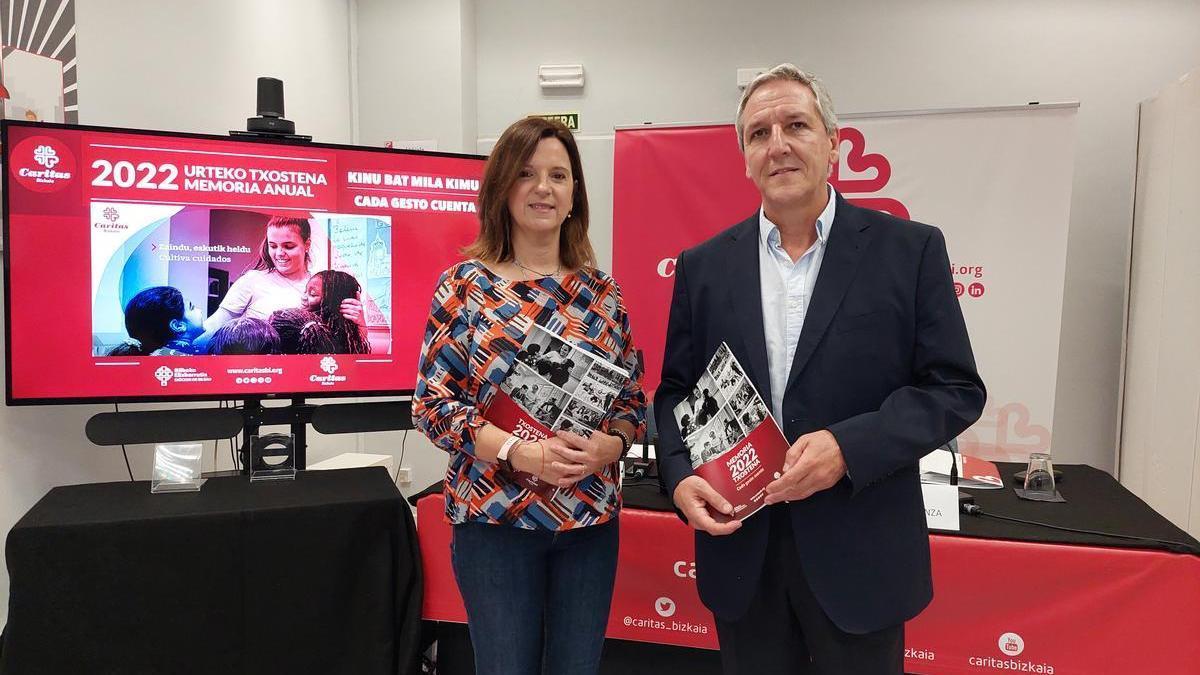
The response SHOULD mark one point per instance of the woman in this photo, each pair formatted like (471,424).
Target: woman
(536,573)
(278,280)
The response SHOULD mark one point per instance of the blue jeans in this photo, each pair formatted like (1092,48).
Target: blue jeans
(537,601)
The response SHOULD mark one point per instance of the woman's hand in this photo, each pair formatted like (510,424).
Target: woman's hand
(547,459)
(352,310)
(595,453)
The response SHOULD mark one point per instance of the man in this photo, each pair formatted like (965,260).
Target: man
(685,426)
(708,408)
(846,321)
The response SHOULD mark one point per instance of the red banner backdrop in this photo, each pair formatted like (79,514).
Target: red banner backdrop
(675,186)
(1001,606)
(659,209)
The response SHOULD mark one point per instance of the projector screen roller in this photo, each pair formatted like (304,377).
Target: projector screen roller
(147,265)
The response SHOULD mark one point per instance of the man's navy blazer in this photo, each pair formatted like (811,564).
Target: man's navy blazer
(883,362)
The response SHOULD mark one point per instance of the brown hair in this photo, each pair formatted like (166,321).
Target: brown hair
(512,151)
(302,227)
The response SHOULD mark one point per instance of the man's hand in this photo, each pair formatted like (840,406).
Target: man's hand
(595,453)
(813,463)
(695,497)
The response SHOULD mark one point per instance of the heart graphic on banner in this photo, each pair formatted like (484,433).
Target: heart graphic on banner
(858,161)
(855,185)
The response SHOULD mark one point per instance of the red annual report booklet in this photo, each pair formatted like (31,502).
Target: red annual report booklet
(553,385)
(733,441)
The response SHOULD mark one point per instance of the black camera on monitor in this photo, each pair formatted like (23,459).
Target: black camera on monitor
(270,120)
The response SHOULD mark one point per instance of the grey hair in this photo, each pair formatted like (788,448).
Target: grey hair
(787,71)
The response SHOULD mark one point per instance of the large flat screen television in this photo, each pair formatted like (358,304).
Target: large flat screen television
(155,266)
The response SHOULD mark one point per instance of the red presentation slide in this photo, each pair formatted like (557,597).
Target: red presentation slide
(158,266)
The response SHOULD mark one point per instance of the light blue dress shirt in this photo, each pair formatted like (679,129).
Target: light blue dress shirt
(787,288)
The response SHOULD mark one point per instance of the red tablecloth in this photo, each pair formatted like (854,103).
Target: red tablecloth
(999,606)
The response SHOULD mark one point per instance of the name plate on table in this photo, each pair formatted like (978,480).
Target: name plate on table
(941,506)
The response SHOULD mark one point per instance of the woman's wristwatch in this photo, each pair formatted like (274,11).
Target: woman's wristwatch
(626,441)
(502,456)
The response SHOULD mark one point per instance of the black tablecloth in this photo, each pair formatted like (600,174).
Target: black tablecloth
(316,575)
(1095,501)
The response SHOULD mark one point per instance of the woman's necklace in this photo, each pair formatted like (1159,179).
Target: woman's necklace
(541,275)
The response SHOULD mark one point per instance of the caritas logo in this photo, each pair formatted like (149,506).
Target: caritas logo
(110,224)
(43,164)
(330,366)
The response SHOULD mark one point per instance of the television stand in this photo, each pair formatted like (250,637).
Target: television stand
(205,424)
(297,414)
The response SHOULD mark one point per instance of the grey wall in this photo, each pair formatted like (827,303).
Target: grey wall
(1160,444)
(416,72)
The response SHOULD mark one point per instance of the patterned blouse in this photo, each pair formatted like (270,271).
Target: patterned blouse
(476,325)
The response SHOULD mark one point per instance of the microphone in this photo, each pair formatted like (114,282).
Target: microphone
(964,498)
(952,447)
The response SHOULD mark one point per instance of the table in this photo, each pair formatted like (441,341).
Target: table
(315,575)
(1008,597)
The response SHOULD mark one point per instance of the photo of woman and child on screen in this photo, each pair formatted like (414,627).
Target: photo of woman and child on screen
(278,307)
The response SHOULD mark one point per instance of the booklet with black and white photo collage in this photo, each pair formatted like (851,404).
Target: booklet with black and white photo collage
(553,385)
(733,441)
